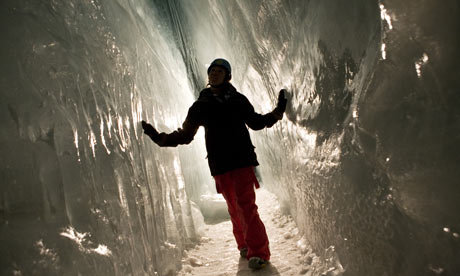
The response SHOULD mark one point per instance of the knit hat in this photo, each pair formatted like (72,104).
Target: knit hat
(222,63)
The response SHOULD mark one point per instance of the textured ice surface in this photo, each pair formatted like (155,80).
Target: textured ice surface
(214,208)
(82,191)
(366,159)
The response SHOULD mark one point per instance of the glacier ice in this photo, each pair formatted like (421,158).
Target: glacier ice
(366,160)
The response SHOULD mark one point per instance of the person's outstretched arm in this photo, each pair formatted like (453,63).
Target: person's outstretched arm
(181,136)
(257,121)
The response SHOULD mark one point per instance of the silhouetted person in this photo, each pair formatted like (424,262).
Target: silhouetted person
(225,115)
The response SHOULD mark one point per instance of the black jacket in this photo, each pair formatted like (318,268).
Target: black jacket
(224,118)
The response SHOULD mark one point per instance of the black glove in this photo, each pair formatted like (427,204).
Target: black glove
(281,106)
(150,131)
(282,101)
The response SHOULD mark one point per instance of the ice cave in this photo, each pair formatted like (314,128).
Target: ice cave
(365,161)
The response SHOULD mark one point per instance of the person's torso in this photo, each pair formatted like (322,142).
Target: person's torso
(227,138)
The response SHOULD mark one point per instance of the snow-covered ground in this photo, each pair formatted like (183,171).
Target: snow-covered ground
(217,254)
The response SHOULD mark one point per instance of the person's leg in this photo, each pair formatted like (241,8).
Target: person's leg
(226,187)
(254,229)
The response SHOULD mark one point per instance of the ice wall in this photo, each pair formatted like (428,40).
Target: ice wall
(82,192)
(366,159)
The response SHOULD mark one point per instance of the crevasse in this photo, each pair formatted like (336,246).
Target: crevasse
(366,159)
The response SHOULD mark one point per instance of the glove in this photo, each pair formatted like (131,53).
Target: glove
(281,106)
(282,101)
(150,131)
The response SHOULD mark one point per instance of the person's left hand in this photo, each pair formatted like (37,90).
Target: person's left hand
(282,101)
(281,105)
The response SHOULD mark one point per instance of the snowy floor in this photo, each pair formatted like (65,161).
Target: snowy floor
(217,254)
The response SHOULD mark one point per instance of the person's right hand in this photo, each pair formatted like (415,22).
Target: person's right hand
(150,130)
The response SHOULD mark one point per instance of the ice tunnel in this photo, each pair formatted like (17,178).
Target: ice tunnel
(367,158)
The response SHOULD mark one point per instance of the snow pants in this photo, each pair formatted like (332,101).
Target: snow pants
(237,187)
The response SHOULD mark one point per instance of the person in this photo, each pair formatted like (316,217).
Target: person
(225,114)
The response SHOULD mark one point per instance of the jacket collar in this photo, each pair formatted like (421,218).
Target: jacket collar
(228,91)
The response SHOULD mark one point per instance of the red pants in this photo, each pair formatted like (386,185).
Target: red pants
(237,187)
